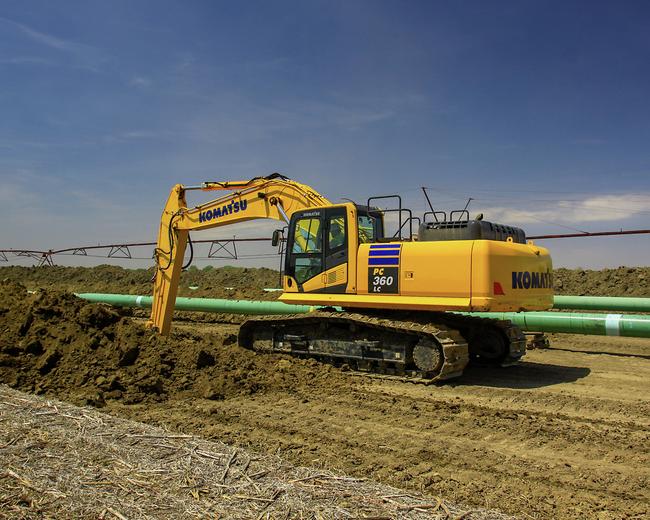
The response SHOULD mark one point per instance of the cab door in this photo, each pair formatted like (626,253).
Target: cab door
(335,272)
(317,250)
(305,258)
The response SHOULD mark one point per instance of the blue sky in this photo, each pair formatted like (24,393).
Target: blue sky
(538,110)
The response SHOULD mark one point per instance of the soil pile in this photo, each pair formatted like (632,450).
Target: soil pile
(224,282)
(622,281)
(53,342)
(248,283)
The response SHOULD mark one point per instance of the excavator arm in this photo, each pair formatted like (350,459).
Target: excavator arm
(273,197)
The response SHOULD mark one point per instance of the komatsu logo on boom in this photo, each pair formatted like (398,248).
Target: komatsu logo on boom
(528,280)
(227,209)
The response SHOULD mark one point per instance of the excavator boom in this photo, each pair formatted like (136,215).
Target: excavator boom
(272,197)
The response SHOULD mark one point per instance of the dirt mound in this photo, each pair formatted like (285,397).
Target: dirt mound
(248,283)
(53,342)
(224,282)
(622,281)
(81,279)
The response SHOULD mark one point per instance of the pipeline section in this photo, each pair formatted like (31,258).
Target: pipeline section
(630,325)
(201,304)
(586,303)
(601,303)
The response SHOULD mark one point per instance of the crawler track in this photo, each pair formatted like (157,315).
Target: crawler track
(364,342)
(418,347)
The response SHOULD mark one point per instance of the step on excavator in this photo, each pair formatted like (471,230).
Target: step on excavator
(398,293)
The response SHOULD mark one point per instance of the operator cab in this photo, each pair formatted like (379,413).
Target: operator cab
(319,241)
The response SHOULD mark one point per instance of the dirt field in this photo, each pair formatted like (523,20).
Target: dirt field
(565,434)
(62,461)
(247,283)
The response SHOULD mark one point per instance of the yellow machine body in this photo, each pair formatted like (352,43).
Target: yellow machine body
(463,275)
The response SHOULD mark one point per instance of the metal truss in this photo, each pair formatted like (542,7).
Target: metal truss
(119,251)
(227,248)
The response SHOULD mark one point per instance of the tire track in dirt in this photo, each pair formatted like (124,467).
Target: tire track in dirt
(552,446)
(479,465)
(545,464)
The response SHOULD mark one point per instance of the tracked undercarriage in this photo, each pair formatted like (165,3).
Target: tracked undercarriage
(418,346)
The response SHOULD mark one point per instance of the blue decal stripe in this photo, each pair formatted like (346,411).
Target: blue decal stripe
(384,246)
(383,261)
(384,252)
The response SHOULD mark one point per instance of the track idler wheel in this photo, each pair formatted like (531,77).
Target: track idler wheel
(428,357)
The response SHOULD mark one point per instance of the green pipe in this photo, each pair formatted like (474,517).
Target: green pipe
(574,323)
(602,303)
(201,304)
(630,325)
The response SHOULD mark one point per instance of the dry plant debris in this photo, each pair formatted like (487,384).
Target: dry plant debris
(63,461)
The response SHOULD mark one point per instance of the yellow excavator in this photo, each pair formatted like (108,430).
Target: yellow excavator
(396,291)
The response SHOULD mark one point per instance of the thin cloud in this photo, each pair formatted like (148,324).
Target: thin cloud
(14,144)
(237,119)
(140,81)
(86,199)
(599,208)
(339,114)
(26,60)
(185,62)
(45,39)
(84,56)
(139,135)
(16,196)
(589,141)
(143,134)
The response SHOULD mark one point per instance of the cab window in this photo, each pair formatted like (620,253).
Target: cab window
(307,267)
(307,236)
(366,229)
(336,237)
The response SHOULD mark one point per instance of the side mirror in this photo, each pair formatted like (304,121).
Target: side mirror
(275,239)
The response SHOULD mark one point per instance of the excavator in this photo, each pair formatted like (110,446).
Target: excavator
(397,305)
